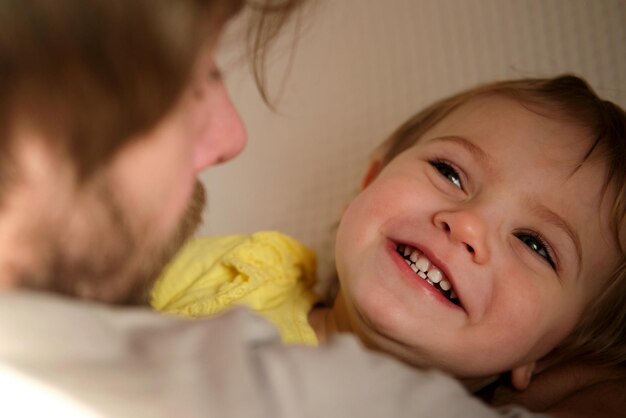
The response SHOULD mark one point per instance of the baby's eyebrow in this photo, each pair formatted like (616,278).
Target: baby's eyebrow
(477,152)
(553,218)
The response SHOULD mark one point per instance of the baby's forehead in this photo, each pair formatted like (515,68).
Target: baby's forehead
(500,124)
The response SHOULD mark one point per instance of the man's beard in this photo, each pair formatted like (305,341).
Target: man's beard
(116,265)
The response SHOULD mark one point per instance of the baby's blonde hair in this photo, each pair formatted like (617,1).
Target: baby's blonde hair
(600,338)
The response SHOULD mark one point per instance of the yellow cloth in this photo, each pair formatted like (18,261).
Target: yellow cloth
(268,272)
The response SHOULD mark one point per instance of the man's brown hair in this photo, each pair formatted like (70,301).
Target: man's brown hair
(90,75)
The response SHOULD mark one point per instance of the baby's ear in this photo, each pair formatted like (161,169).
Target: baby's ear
(520,376)
(371,173)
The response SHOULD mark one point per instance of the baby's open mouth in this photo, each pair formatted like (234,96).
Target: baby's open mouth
(423,267)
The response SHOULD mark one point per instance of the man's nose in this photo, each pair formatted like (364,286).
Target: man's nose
(468,230)
(225,136)
(232,138)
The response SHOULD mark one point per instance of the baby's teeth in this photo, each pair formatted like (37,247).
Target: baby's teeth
(435,275)
(422,264)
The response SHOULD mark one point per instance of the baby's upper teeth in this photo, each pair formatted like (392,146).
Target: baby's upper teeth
(422,264)
(435,275)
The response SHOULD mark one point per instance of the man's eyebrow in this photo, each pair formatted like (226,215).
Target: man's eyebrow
(553,218)
(477,152)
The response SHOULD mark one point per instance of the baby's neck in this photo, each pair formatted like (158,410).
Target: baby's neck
(327,322)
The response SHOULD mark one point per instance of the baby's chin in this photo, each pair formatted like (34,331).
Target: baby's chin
(377,342)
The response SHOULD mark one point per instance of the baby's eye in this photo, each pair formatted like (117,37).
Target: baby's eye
(448,172)
(537,244)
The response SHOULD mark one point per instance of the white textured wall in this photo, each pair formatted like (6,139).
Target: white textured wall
(362,67)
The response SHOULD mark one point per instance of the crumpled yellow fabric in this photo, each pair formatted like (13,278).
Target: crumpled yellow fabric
(268,272)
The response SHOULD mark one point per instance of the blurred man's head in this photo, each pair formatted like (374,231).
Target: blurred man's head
(108,111)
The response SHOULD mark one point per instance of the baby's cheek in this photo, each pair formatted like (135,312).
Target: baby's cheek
(531,324)
(357,221)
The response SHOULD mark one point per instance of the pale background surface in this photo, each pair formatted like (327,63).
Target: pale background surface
(361,68)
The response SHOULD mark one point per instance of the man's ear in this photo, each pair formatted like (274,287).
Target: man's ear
(520,376)
(371,173)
